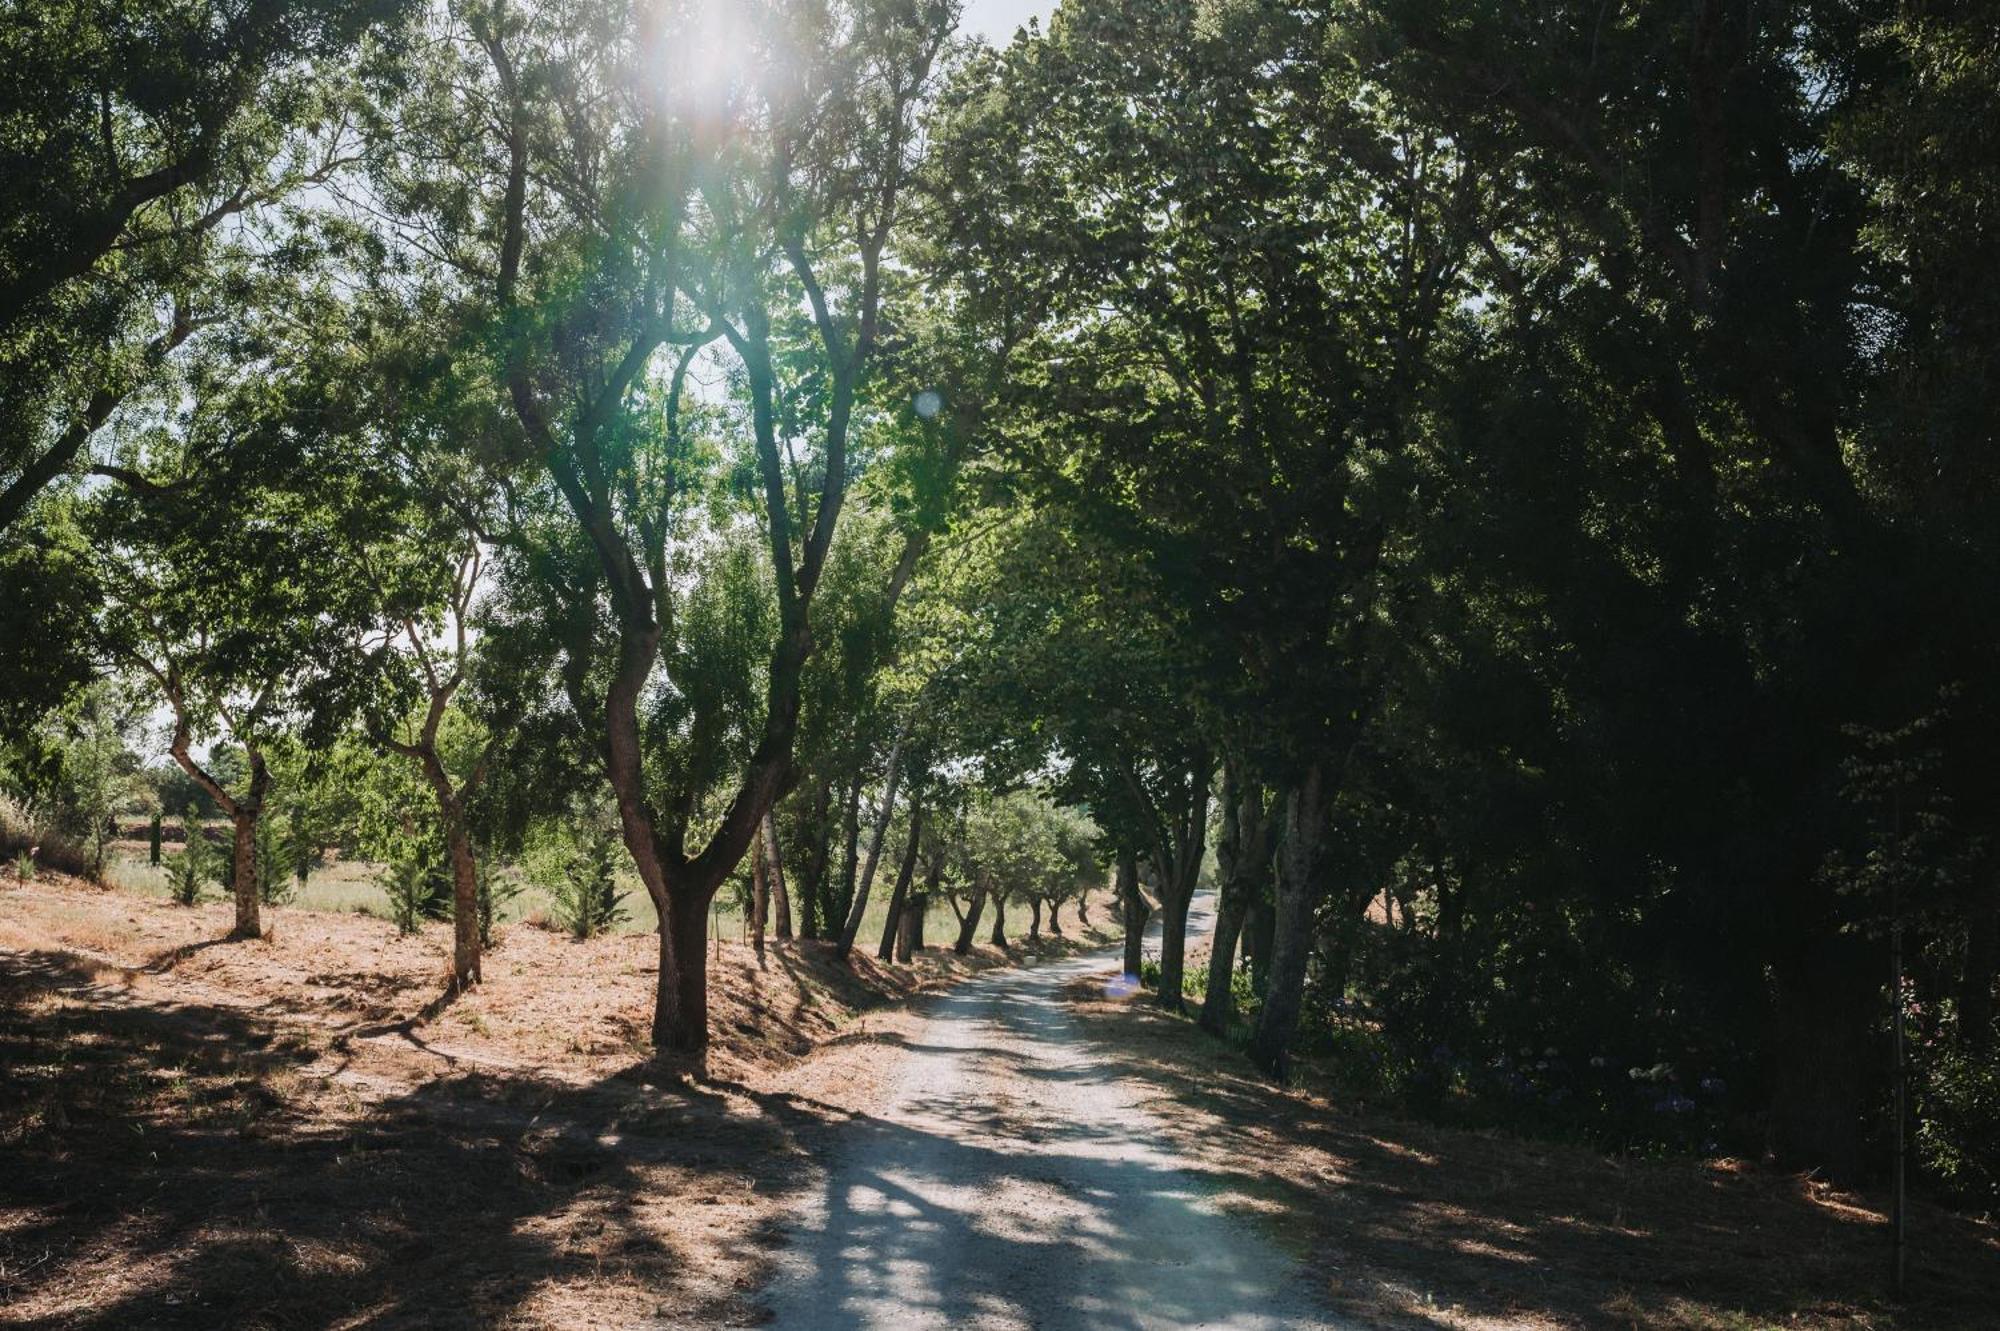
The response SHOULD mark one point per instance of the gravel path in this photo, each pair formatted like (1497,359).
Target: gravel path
(1004,1179)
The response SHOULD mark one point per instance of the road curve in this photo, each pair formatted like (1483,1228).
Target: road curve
(1008,1178)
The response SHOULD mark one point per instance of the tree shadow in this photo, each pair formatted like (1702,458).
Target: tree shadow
(1416,1225)
(193,1166)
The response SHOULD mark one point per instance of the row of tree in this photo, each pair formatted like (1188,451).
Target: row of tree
(1504,482)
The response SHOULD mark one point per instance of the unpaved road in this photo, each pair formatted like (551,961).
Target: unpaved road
(1006,1177)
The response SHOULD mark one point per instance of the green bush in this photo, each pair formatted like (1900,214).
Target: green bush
(24,867)
(584,898)
(195,866)
(495,893)
(275,886)
(1958,1123)
(416,884)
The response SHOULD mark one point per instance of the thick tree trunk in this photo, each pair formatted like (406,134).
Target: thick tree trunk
(1242,853)
(1083,908)
(1034,918)
(968,927)
(760,898)
(680,1014)
(243,874)
(1291,940)
(1982,961)
(999,938)
(464,905)
(1827,993)
(899,899)
(1132,902)
(1258,924)
(910,936)
(1055,924)
(1173,951)
(776,860)
(1218,1004)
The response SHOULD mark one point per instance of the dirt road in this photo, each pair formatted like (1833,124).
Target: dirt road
(1006,1177)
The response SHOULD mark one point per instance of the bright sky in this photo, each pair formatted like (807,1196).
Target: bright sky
(995,20)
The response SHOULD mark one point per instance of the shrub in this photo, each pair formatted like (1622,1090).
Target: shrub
(1958,1123)
(275,886)
(416,884)
(24,867)
(495,893)
(194,866)
(584,899)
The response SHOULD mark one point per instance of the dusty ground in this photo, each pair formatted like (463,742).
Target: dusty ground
(1002,1174)
(299,1132)
(1409,1226)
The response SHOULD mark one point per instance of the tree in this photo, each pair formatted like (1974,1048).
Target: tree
(138,140)
(632,218)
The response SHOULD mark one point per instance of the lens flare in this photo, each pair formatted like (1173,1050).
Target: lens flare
(1121,986)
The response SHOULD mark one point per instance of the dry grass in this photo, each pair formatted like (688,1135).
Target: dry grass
(1417,1226)
(300,1131)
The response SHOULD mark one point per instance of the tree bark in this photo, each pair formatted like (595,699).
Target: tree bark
(776,859)
(1258,925)
(969,926)
(1055,924)
(1034,918)
(760,897)
(1291,940)
(1826,996)
(899,899)
(1242,853)
(999,938)
(1133,903)
(680,1012)
(465,970)
(910,936)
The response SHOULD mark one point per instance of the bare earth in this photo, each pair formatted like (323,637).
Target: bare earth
(300,1133)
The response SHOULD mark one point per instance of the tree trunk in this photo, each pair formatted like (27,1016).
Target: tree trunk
(464,904)
(910,937)
(1055,924)
(153,841)
(680,1013)
(1259,923)
(851,866)
(969,926)
(999,938)
(1242,852)
(1083,908)
(760,898)
(899,899)
(243,873)
(1173,951)
(1827,996)
(1982,961)
(1034,918)
(1291,939)
(1133,903)
(777,868)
